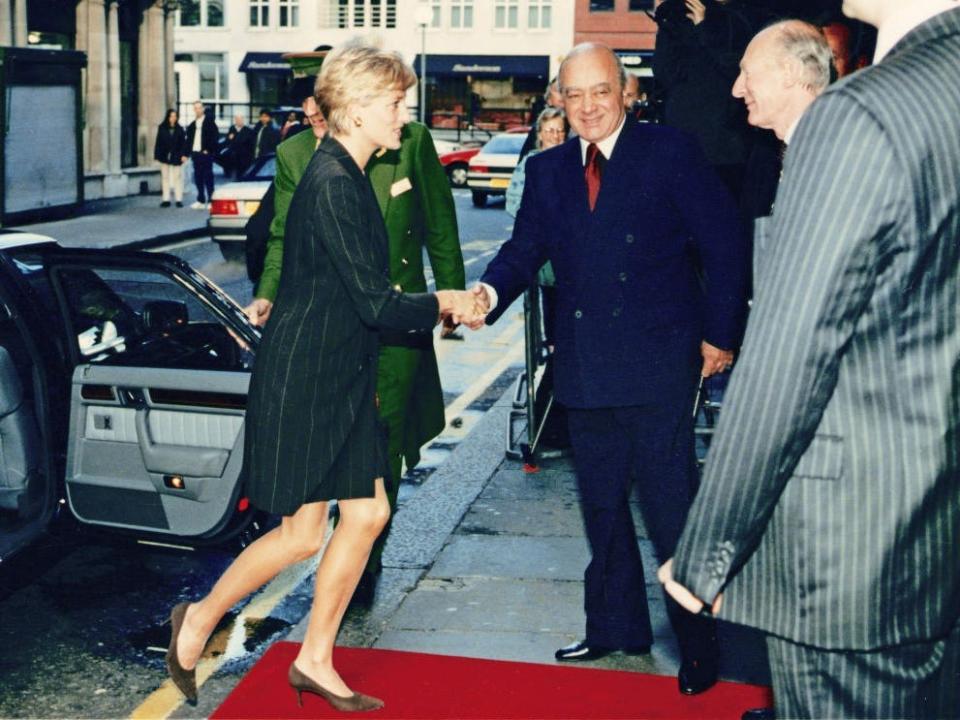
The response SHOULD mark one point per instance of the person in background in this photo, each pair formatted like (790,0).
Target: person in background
(631,93)
(290,125)
(240,139)
(699,45)
(169,150)
(312,430)
(552,99)
(829,512)
(202,139)
(784,69)
(551,127)
(267,135)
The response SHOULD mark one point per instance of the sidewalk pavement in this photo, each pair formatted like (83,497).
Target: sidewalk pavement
(133,222)
(487,561)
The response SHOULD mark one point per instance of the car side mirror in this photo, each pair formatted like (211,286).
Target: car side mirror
(164,315)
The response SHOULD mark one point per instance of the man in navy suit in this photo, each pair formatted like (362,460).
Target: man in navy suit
(651,265)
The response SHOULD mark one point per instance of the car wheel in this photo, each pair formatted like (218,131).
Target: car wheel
(479,199)
(232,251)
(458,175)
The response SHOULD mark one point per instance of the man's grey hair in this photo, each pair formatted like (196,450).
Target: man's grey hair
(552,86)
(586,47)
(549,113)
(808,45)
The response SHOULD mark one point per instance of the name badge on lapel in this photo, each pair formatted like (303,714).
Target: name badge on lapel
(400,187)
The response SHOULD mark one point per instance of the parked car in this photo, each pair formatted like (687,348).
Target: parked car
(232,205)
(122,396)
(456,163)
(490,170)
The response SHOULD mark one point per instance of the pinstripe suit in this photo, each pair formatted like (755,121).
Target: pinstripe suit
(829,513)
(312,430)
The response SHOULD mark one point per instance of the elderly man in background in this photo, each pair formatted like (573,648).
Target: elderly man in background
(829,513)
(783,70)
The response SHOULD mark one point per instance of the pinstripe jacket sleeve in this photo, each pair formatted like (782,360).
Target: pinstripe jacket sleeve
(345,234)
(834,230)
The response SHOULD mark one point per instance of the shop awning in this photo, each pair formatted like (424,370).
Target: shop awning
(486,66)
(271,63)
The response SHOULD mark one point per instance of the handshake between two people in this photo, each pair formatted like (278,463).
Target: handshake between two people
(463,307)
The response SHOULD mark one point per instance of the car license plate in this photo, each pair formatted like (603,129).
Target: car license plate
(499,183)
(251,206)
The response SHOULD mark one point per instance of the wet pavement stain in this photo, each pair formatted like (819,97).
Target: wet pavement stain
(259,630)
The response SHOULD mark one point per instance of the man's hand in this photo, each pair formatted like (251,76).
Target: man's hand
(481,299)
(696,11)
(686,599)
(461,306)
(714,359)
(258,312)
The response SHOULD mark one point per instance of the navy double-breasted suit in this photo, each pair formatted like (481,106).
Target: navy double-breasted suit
(658,266)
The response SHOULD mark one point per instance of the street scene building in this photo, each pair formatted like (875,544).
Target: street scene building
(485,60)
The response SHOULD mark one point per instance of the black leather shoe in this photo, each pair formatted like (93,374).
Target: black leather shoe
(581,651)
(759,714)
(696,676)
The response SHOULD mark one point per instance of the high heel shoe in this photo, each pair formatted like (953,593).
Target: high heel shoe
(185,680)
(355,703)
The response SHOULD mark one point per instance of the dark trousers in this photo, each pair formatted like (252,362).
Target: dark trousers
(654,446)
(919,680)
(203,176)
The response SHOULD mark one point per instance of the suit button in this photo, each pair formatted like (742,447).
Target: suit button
(578,314)
(404,261)
(398,288)
(629,238)
(623,277)
(616,312)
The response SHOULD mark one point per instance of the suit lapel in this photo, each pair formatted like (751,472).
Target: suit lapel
(573,188)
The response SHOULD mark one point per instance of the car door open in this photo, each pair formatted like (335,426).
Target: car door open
(158,394)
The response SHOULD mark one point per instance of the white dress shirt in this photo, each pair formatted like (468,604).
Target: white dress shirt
(606,149)
(198,135)
(909,16)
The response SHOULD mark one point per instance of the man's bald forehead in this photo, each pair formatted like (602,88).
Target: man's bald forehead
(588,49)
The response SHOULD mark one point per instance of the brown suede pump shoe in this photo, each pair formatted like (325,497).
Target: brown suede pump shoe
(185,680)
(355,703)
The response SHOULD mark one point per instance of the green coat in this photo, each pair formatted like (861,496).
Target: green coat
(418,214)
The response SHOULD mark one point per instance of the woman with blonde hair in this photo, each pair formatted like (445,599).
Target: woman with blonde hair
(312,429)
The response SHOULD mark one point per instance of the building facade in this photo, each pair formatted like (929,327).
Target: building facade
(127,85)
(484,59)
(623,25)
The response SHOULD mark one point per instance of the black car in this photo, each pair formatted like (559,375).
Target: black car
(123,391)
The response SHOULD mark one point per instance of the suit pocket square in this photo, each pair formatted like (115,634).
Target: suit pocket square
(823,459)
(400,187)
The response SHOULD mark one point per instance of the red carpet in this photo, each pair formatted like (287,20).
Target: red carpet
(415,685)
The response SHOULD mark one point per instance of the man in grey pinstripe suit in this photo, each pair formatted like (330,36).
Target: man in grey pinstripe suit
(829,515)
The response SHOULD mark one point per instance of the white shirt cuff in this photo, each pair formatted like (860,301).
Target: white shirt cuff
(493,295)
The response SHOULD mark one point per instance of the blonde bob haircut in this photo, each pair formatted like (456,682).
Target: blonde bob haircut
(356,74)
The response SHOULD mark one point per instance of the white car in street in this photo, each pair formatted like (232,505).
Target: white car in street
(233,204)
(490,169)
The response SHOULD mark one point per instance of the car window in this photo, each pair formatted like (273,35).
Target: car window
(142,318)
(504,145)
(30,264)
(264,169)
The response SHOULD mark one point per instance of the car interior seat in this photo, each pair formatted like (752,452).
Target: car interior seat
(19,439)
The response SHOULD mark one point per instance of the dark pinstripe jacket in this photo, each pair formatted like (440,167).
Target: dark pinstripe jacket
(830,508)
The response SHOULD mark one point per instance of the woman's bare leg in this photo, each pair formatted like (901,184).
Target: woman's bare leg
(361,521)
(299,536)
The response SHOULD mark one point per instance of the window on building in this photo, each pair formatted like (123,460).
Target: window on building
(214,13)
(540,14)
(391,13)
(359,13)
(213,77)
(641,5)
(345,14)
(289,13)
(189,13)
(601,5)
(461,13)
(259,13)
(506,14)
(376,13)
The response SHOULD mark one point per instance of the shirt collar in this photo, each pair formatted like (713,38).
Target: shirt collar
(902,21)
(788,136)
(605,146)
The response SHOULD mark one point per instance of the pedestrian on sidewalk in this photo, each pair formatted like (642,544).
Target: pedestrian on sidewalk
(628,282)
(169,150)
(202,137)
(313,431)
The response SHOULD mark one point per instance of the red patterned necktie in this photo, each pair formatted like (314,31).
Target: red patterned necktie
(591,173)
